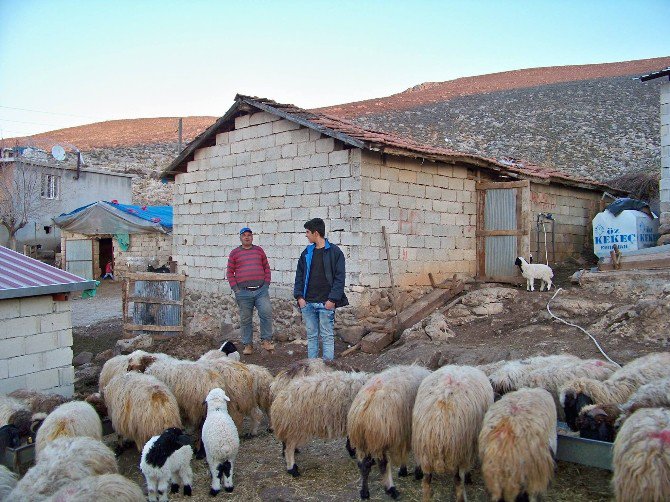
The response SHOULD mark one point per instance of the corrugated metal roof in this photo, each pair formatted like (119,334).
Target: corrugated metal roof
(21,276)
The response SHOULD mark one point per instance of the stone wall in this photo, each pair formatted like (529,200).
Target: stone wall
(144,249)
(664,228)
(271,175)
(572,209)
(36,339)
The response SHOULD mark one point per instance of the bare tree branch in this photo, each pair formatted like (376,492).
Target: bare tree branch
(20,202)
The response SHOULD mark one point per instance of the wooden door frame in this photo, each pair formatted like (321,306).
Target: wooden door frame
(522,232)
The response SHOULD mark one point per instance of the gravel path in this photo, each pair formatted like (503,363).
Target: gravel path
(106,304)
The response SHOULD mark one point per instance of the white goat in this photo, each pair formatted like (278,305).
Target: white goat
(532,271)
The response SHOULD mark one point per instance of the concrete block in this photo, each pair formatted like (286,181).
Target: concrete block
(58,357)
(339,157)
(289,151)
(8,385)
(299,135)
(262,117)
(41,380)
(242,121)
(4,370)
(13,347)
(19,326)
(36,305)
(9,309)
(307,148)
(381,186)
(23,365)
(284,125)
(66,375)
(41,342)
(325,145)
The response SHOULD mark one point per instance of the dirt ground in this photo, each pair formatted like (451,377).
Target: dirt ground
(523,329)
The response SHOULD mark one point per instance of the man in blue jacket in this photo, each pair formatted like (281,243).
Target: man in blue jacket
(319,288)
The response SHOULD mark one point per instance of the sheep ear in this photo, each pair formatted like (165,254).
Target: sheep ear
(226,398)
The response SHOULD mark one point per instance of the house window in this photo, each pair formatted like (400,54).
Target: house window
(50,186)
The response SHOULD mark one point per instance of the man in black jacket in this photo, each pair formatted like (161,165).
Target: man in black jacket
(319,288)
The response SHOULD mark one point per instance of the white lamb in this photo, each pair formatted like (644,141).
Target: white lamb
(221,440)
(532,271)
(166,460)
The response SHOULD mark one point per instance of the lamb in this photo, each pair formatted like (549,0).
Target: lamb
(7,482)
(227,349)
(221,440)
(517,444)
(511,375)
(15,412)
(379,423)
(9,437)
(76,418)
(579,392)
(166,459)
(140,406)
(62,461)
(532,271)
(446,421)
(313,406)
(104,487)
(641,457)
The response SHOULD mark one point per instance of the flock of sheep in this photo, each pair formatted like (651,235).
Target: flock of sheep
(501,415)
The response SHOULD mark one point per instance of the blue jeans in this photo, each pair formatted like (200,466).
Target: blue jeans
(319,323)
(246,300)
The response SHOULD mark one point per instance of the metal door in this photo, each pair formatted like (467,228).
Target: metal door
(502,230)
(79,257)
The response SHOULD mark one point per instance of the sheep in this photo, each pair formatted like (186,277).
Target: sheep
(490,368)
(641,457)
(313,406)
(517,445)
(62,461)
(167,459)
(9,437)
(655,394)
(510,376)
(221,440)
(379,423)
(39,402)
(105,487)
(227,349)
(115,366)
(262,382)
(15,412)
(579,392)
(447,417)
(7,482)
(305,367)
(76,418)
(532,271)
(140,406)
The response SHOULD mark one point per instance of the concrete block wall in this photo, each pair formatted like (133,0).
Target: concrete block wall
(143,250)
(573,209)
(664,228)
(36,341)
(271,175)
(429,211)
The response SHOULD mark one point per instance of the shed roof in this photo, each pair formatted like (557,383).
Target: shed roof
(654,74)
(369,139)
(22,276)
(105,217)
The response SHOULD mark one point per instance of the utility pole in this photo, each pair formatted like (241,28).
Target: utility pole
(180,132)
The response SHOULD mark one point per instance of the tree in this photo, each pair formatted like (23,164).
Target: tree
(19,198)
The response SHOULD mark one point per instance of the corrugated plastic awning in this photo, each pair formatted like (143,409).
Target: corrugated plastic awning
(21,276)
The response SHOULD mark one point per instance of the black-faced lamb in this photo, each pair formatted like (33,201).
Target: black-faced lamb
(74,418)
(106,487)
(517,444)
(314,406)
(579,392)
(15,412)
(532,271)
(9,437)
(641,457)
(221,440)
(446,421)
(166,463)
(379,423)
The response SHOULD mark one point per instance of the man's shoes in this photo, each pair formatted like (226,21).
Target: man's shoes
(268,345)
(248,350)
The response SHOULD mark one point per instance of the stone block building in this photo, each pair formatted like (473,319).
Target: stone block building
(36,325)
(272,167)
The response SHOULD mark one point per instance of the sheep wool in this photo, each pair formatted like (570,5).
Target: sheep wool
(301,368)
(642,457)
(447,418)
(532,271)
(7,482)
(313,406)
(106,487)
(517,443)
(221,440)
(655,394)
(39,402)
(62,461)
(512,375)
(115,366)
(76,418)
(379,422)
(166,461)
(140,406)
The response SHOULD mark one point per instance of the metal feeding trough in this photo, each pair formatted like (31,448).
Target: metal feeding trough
(14,458)
(584,451)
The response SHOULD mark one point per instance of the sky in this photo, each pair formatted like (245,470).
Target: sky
(73,62)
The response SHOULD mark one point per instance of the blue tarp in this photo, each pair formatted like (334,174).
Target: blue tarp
(106,217)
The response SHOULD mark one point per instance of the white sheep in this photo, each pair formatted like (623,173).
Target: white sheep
(379,423)
(221,440)
(578,392)
(39,402)
(447,418)
(106,487)
(115,366)
(513,374)
(76,418)
(62,461)
(517,445)
(7,482)
(641,457)
(140,407)
(227,349)
(532,271)
(297,369)
(314,406)
(166,461)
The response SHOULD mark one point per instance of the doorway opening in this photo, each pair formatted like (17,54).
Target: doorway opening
(106,254)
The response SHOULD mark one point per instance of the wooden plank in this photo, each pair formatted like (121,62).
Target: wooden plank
(487,185)
(498,233)
(151,327)
(636,263)
(373,343)
(144,299)
(480,241)
(351,350)
(513,279)
(155,276)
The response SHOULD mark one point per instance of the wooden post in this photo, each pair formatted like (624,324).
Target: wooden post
(388,259)
(180,134)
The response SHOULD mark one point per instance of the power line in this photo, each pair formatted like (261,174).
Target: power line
(50,113)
